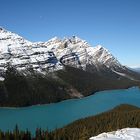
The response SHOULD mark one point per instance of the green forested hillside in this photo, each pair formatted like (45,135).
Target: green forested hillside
(120,117)
(20,90)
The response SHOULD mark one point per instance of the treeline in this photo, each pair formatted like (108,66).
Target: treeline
(120,117)
(34,88)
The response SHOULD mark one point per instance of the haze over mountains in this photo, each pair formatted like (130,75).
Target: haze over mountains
(137,69)
(73,66)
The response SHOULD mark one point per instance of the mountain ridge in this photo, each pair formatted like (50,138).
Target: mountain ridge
(56,70)
(70,51)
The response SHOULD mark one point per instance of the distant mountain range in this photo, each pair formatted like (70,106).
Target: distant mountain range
(57,69)
(137,69)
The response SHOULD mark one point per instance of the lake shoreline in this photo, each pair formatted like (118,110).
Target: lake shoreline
(57,115)
(97,92)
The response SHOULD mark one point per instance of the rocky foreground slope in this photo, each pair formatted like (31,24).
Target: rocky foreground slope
(123,134)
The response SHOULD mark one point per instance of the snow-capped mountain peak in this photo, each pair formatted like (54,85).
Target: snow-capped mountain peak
(10,40)
(4,35)
(100,55)
(99,47)
(21,53)
(54,40)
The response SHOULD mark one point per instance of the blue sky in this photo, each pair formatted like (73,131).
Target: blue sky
(115,24)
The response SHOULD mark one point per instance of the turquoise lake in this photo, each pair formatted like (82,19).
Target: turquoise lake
(56,115)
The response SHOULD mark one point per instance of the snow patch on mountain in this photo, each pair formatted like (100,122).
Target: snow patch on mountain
(23,54)
(10,40)
(123,134)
